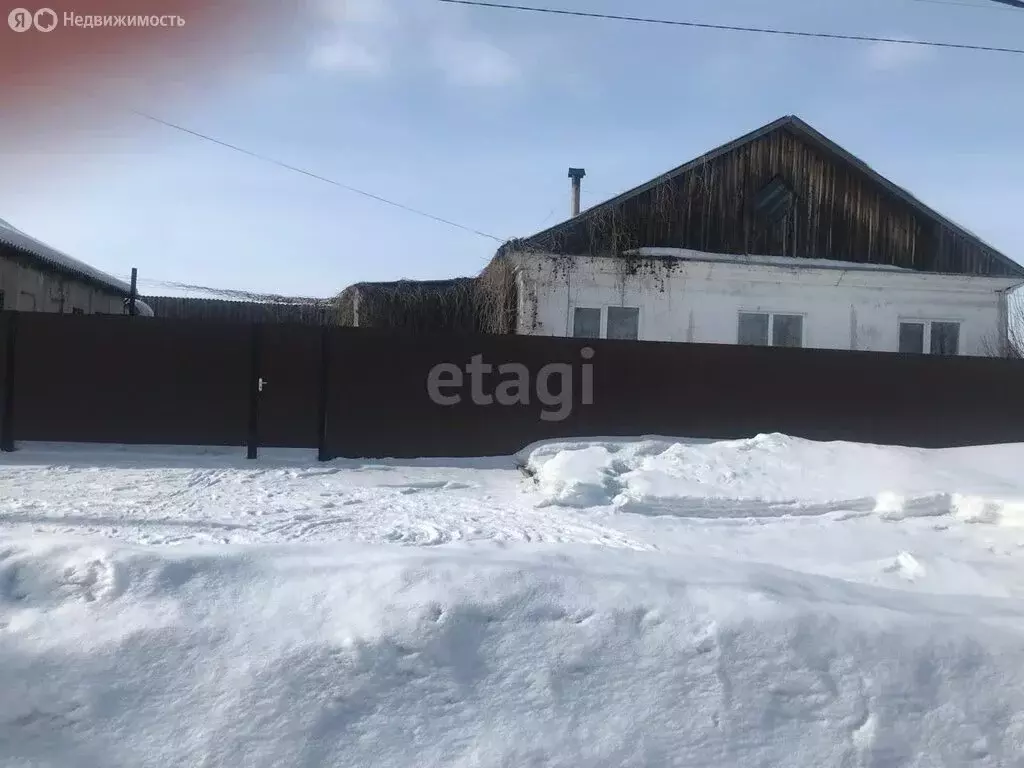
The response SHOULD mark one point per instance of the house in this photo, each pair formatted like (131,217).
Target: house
(35,277)
(780,237)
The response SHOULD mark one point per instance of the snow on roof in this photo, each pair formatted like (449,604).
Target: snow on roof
(788,262)
(10,235)
(46,254)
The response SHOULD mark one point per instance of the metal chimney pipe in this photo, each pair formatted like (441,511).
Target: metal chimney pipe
(576,174)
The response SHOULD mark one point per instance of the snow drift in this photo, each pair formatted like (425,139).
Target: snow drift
(628,603)
(772,475)
(357,656)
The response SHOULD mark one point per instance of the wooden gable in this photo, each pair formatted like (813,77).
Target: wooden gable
(784,190)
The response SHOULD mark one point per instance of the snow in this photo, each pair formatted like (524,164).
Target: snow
(646,602)
(788,262)
(771,475)
(798,263)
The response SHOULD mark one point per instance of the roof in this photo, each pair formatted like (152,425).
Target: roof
(414,284)
(302,311)
(60,262)
(399,287)
(798,126)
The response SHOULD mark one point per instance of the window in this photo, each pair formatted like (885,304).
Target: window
(1,299)
(912,338)
(77,311)
(586,323)
(935,337)
(773,203)
(787,331)
(623,323)
(761,329)
(945,339)
(754,329)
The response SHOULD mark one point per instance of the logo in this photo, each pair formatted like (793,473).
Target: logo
(22,20)
(515,386)
(45,19)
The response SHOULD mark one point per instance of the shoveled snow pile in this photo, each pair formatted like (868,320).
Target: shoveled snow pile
(774,474)
(647,603)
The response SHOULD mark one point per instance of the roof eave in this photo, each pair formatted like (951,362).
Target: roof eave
(819,138)
(61,269)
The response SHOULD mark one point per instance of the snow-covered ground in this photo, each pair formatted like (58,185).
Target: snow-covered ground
(764,602)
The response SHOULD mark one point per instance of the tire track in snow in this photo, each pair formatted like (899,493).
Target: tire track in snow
(409,506)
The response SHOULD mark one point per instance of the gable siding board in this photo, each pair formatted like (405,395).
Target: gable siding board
(841,211)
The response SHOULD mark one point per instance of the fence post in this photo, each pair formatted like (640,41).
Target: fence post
(7,429)
(134,292)
(325,367)
(255,382)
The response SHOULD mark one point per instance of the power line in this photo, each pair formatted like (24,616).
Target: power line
(988,7)
(316,176)
(233,293)
(729,27)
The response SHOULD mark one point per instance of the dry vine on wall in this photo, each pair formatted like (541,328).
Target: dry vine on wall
(484,304)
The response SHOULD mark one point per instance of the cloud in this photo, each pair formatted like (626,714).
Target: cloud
(345,55)
(474,62)
(887,57)
(372,37)
(360,12)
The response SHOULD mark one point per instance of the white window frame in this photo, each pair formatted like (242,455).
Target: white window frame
(927,342)
(603,324)
(771,324)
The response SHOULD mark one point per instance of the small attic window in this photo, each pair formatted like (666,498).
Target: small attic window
(773,202)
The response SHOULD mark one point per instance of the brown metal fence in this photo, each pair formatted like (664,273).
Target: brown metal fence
(373,394)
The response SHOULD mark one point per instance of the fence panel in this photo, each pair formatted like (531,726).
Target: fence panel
(289,405)
(109,379)
(132,380)
(380,406)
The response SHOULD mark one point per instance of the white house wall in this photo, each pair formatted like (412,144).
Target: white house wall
(1015,317)
(700,301)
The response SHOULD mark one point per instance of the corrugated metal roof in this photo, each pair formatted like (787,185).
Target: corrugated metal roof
(30,246)
(61,262)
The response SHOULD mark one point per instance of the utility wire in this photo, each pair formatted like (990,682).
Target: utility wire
(987,7)
(232,293)
(728,27)
(312,175)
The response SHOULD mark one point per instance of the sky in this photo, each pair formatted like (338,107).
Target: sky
(475,115)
